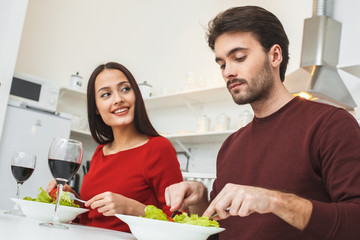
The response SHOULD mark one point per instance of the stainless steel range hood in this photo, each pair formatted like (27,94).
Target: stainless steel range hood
(318,75)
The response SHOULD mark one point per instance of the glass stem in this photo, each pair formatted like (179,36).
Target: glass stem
(18,190)
(59,191)
(16,207)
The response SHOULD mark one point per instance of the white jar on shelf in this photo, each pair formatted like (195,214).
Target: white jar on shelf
(222,123)
(245,117)
(145,89)
(75,81)
(203,124)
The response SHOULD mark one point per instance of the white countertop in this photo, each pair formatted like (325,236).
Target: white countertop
(22,228)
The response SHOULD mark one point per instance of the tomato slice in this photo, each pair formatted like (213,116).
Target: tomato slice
(170,219)
(53,194)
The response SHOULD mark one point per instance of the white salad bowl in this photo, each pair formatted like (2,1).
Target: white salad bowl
(45,211)
(151,229)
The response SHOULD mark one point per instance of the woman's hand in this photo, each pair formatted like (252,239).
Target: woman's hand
(109,204)
(52,185)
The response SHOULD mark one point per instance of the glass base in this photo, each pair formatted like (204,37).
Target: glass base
(16,212)
(53,225)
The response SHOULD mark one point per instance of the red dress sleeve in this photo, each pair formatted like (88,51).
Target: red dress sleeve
(162,169)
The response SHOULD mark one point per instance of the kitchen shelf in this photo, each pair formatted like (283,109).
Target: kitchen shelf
(71,93)
(198,96)
(186,138)
(203,138)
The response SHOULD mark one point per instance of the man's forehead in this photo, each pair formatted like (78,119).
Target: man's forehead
(232,42)
(235,37)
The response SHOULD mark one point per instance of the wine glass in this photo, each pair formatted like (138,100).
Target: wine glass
(22,166)
(65,156)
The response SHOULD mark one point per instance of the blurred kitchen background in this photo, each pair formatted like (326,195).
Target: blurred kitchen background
(163,44)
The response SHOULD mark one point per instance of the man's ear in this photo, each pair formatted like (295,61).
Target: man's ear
(275,55)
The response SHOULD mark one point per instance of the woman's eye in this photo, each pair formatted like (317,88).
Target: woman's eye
(105,95)
(126,89)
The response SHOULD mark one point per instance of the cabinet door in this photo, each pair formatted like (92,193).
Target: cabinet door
(12,15)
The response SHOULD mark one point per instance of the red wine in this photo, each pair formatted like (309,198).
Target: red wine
(21,174)
(63,170)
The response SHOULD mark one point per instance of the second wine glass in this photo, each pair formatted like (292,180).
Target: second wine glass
(65,156)
(22,167)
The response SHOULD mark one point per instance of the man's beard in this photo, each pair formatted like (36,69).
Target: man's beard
(260,88)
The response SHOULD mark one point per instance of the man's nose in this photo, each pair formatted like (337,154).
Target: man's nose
(229,72)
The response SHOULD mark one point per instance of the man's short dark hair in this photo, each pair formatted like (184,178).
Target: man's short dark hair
(264,25)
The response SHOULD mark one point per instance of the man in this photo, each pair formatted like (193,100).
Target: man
(294,171)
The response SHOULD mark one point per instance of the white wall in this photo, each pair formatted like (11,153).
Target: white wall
(160,41)
(347,12)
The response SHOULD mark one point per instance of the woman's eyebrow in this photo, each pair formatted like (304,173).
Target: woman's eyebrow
(107,87)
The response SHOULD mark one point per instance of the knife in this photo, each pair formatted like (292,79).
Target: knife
(174,214)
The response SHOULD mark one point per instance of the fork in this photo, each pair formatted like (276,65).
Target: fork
(174,214)
(215,214)
(73,197)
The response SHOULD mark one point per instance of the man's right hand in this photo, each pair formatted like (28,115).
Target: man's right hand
(186,194)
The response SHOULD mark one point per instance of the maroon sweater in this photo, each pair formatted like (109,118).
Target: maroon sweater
(306,148)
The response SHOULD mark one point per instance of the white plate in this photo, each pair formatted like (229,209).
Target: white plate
(44,211)
(151,229)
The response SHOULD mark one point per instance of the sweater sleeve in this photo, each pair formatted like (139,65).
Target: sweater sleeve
(162,169)
(339,154)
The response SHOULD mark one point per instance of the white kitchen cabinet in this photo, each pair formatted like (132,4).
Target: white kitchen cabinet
(74,102)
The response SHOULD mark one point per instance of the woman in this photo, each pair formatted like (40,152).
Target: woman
(133,164)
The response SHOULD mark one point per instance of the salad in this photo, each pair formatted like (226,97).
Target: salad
(44,197)
(156,213)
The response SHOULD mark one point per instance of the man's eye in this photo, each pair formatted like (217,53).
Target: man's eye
(240,59)
(222,66)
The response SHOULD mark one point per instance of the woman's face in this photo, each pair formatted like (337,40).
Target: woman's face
(114,98)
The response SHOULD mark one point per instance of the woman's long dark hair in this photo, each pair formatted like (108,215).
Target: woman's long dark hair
(100,131)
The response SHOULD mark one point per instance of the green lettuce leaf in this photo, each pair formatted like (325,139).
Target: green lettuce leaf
(44,197)
(194,219)
(66,200)
(156,213)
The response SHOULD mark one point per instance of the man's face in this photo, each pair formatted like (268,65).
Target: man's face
(245,67)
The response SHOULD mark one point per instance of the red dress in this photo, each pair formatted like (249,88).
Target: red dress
(141,173)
